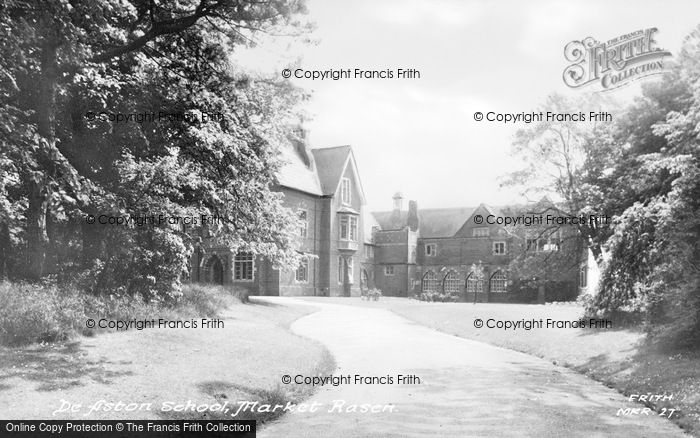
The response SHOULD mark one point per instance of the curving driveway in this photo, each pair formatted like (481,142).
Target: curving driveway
(468,389)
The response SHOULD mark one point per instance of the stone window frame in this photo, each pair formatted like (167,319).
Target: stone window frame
(498,283)
(346,191)
(474,284)
(341,271)
(451,279)
(351,228)
(304,217)
(244,267)
(430,280)
(303,268)
(496,244)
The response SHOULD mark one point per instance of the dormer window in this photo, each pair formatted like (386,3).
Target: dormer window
(346,191)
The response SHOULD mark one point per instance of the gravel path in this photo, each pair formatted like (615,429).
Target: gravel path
(468,389)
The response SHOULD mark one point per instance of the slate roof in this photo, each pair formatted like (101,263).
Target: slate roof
(434,222)
(437,222)
(320,176)
(296,174)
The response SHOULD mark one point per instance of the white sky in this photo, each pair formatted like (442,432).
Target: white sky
(418,136)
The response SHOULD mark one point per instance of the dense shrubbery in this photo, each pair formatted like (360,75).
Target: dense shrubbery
(35,313)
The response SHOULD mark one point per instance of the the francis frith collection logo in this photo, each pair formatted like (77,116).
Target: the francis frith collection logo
(613,63)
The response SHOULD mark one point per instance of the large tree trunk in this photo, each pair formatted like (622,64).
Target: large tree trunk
(37,237)
(39,184)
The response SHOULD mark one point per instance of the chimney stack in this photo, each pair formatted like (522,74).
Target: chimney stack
(398,201)
(412,220)
(396,212)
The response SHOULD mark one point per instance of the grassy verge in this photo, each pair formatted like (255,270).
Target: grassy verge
(45,314)
(618,357)
(241,362)
(258,371)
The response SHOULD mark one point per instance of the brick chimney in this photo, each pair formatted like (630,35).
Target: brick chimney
(396,212)
(412,220)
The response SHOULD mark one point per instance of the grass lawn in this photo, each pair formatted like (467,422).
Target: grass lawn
(617,357)
(244,361)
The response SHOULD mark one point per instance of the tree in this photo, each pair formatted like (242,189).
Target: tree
(62,60)
(561,158)
(654,252)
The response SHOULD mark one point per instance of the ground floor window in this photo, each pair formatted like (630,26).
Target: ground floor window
(499,282)
(450,284)
(474,284)
(243,266)
(342,263)
(429,283)
(302,273)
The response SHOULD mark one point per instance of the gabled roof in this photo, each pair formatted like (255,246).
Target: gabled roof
(331,163)
(297,174)
(316,171)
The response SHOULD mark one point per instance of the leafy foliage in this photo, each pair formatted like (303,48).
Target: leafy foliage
(66,66)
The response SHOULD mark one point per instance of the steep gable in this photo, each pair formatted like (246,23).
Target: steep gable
(330,164)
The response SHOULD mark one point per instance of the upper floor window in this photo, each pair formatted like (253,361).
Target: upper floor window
(369,252)
(302,273)
(430,250)
(545,242)
(243,266)
(480,232)
(303,216)
(389,270)
(499,248)
(348,227)
(345,191)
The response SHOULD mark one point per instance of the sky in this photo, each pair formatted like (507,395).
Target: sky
(419,136)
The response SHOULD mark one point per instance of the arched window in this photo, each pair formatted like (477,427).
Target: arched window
(450,284)
(430,283)
(499,282)
(474,284)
